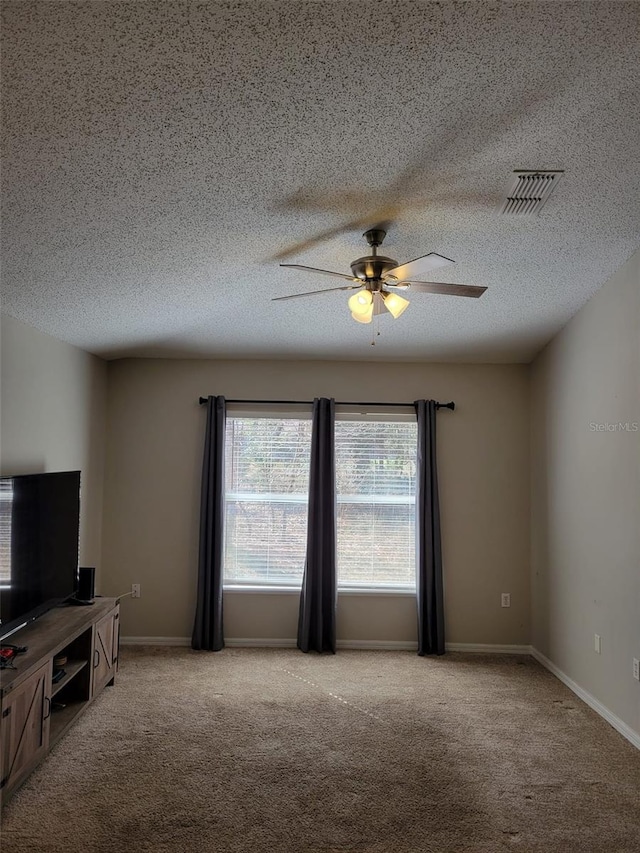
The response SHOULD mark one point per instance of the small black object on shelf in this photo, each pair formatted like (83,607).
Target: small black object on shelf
(86,589)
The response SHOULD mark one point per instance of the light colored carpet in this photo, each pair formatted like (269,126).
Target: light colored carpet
(370,752)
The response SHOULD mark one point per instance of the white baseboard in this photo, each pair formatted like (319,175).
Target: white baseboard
(619,725)
(259,643)
(155,641)
(409,646)
(230,642)
(269,643)
(363,645)
(487,648)
(378,645)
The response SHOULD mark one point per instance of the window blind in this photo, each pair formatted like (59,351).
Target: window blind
(6,496)
(267,484)
(375,480)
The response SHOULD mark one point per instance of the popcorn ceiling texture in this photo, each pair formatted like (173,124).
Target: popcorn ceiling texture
(157,157)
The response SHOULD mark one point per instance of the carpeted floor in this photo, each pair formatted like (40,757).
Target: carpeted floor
(370,752)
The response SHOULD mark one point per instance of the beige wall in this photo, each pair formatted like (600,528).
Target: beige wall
(155,436)
(586,496)
(53,405)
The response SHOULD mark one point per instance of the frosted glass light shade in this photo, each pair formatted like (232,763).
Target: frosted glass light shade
(395,304)
(360,302)
(363,316)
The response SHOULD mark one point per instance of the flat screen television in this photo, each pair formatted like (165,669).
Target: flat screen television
(39,534)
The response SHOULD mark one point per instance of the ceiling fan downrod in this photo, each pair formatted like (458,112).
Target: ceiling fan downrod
(372,268)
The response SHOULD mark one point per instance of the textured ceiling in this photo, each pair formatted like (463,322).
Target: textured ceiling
(159,158)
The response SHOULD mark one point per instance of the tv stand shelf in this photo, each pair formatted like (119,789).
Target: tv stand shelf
(35,712)
(71,669)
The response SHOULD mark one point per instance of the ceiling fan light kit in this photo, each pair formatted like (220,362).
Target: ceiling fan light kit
(378,279)
(364,310)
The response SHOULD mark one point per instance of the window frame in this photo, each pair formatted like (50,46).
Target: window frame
(294,412)
(382,414)
(274,412)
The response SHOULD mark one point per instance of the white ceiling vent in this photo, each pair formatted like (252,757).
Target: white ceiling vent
(529,192)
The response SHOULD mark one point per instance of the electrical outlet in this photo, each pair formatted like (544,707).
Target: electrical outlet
(135,590)
(597,643)
(505,599)
(636,669)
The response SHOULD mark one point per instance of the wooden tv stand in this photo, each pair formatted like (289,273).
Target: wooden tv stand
(35,713)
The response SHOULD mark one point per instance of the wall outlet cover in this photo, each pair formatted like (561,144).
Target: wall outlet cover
(505,599)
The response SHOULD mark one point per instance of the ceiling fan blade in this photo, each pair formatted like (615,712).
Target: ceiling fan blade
(439,287)
(320,272)
(420,266)
(312,292)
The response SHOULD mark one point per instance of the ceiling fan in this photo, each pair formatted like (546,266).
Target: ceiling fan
(380,280)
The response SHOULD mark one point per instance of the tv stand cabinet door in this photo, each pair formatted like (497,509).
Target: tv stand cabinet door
(24,727)
(104,644)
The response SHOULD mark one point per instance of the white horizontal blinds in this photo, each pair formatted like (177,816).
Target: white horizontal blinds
(267,484)
(6,496)
(375,480)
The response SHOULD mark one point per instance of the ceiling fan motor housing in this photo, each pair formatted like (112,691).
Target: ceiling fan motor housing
(372,268)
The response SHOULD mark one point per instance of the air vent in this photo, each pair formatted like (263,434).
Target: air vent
(529,192)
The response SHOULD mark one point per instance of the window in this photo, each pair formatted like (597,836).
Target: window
(6,509)
(267,486)
(375,482)
(267,483)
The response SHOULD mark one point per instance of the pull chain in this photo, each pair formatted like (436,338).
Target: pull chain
(375,330)
(375,326)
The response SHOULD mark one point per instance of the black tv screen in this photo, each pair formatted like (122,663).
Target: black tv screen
(39,531)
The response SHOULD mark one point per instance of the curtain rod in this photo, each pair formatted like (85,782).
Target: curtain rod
(451,405)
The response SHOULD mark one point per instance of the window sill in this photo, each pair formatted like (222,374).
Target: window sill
(391,592)
(264,589)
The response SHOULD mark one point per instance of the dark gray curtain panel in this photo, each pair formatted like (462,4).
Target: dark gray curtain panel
(207,628)
(319,596)
(429,583)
